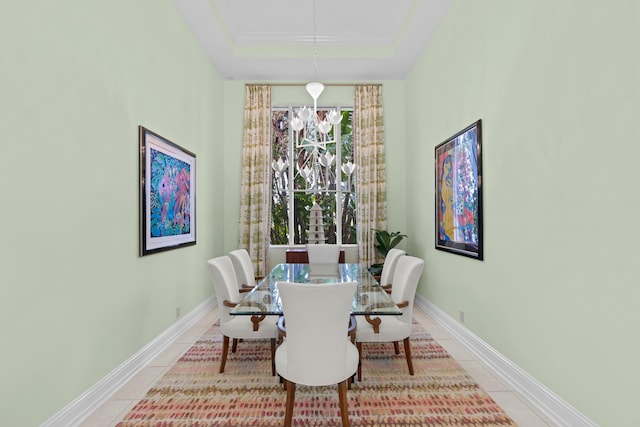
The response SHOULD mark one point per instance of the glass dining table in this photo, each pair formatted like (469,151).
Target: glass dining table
(370,298)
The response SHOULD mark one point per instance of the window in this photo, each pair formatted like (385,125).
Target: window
(314,164)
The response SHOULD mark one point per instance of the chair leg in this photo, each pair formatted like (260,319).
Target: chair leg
(291,395)
(396,347)
(407,353)
(235,345)
(225,350)
(359,345)
(273,356)
(344,404)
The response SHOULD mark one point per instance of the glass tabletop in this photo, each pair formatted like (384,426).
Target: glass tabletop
(370,298)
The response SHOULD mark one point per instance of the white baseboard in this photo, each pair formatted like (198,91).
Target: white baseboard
(544,400)
(85,404)
(541,398)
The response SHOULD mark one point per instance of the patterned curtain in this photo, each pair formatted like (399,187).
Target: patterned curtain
(368,142)
(255,189)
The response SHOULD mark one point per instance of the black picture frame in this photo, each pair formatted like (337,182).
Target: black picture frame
(458,193)
(167,194)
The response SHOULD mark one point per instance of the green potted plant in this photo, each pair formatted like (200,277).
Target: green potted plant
(385,241)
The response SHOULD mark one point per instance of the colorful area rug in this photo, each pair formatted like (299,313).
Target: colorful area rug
(194,394)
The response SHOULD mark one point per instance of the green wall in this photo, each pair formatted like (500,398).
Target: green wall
(77,79)
(557,86)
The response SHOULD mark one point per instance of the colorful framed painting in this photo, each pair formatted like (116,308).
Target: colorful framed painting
(458,168)
(167,194)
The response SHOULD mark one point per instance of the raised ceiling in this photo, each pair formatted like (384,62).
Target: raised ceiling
(275,39)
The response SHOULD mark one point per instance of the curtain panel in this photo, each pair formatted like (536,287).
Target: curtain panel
(368,142)
(255,187)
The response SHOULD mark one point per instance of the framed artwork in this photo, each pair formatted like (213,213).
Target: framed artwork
(167,194)
(458,195)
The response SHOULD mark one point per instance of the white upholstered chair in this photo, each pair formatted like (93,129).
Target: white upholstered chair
(389,267)
(237,327)
(394,328)
(316,350)
(243,267)
(323,254)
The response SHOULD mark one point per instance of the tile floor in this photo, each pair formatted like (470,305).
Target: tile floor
(109,414)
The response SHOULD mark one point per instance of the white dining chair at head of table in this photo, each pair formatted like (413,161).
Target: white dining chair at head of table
(316,350)
(323,253)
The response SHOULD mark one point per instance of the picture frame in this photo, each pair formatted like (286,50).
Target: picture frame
(458,193)
(167,194)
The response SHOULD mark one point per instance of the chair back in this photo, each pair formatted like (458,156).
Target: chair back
(317,318)
(323,254)
(225,284)
(405,283)
(389,266)
(243,267)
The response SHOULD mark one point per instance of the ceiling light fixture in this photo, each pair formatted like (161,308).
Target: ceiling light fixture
(311,130)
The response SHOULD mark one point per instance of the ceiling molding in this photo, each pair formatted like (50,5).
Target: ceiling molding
(354,40)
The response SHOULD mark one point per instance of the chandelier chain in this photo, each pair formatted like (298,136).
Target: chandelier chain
(315,43)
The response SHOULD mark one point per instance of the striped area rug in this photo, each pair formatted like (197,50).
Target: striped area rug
(194,394)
